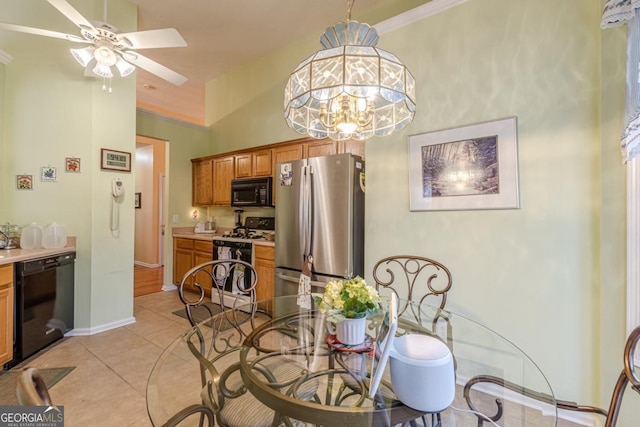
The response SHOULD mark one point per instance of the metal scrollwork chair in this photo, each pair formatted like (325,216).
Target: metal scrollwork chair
(215,343)
(626,377)
(31,389)
(413,279)
(421,280)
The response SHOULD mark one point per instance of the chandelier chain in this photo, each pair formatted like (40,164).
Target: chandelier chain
(349,7)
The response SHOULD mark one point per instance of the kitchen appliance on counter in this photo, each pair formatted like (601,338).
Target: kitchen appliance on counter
(205,226)
(319,217)
(44,303)
(240,246)
(251,192)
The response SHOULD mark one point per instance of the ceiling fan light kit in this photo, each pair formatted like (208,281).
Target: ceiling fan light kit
(350,89)
(108,47)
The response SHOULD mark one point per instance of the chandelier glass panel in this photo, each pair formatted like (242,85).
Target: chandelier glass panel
(350,89)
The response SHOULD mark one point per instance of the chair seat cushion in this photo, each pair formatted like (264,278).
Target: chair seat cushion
(246,411)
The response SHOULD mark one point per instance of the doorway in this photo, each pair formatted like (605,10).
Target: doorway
(150,197)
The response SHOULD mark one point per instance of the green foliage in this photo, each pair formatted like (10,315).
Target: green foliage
(348,299)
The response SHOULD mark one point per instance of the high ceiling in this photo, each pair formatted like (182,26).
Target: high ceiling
(222,34)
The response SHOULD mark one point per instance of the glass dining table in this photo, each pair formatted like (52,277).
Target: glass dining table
(287,359)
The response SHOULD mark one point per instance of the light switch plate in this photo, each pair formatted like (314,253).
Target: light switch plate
(175,218)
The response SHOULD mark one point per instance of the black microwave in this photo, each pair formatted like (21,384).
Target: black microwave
(251,192)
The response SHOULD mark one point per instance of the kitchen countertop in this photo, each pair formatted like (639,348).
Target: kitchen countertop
(8,256)
(189,234)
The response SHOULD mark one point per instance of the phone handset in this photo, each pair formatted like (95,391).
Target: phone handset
(117,190)
(117,187)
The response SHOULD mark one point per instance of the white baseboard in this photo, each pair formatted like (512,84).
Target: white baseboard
(102,328)
(578,418)
(169,287)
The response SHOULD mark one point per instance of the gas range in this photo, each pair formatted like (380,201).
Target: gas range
(255,228)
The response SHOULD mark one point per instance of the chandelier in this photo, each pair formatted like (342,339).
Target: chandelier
(350,89)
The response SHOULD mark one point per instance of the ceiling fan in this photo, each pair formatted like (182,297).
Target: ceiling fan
(108,47)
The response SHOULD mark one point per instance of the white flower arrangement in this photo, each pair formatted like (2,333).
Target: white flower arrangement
(348,299)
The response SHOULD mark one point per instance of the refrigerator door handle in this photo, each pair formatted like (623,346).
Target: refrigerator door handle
(296,280)
(302,235)
(305,183)
(311,207)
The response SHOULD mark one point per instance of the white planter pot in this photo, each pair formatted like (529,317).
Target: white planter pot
(351,331)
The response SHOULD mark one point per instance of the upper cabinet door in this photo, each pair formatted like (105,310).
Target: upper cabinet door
(244,165)
(223,173)
(262,163)
(352,146)
(202,184)
(323,147)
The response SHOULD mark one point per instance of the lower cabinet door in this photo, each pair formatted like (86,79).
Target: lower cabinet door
(6,324)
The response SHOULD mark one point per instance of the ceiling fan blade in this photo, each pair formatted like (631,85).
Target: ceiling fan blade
(153,67)
(41,32)
(167,37)
(73,15)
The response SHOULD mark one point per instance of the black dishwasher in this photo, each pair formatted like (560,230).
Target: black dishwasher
(44,303)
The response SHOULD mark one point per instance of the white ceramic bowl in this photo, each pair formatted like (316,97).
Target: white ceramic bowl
(422,374)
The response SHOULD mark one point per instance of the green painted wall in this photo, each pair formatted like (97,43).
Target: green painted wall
(51,112)
(550,276)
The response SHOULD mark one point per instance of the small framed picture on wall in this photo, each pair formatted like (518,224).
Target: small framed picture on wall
(24,182)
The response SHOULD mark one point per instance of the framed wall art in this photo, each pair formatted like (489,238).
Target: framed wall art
(137,200)
(468,167)
(115,160)
(24,182)
(48,174)
(72,164)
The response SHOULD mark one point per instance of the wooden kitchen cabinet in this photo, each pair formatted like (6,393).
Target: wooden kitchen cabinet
(265,266)
(182,258)
(244,165)
(262,163)
(253,164)
(223,173)
(321,147)
(6,313)
(351,146)
(187,253)
(202,185)
(287,153)
(212,175)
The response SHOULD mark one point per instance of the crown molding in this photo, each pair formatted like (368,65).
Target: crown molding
(416,14)
(5,58)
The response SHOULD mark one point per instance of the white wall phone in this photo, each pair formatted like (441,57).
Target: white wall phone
(117,191)
(117,187)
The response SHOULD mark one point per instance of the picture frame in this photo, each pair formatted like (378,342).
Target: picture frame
(115,160)
(137,200)
(48,174)
(468,167)
(72,164)
(24,182)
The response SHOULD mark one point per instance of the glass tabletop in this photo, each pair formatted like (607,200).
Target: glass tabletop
(288,360)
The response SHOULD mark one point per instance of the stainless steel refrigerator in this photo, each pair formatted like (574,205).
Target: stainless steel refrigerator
(319,213)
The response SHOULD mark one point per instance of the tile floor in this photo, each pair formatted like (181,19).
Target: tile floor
(108,386)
